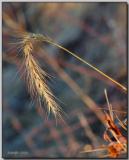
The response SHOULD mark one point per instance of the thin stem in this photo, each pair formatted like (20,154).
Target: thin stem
(109,106)
(94,150)
(91,66)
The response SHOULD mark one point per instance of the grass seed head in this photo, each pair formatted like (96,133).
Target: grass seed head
(36,77)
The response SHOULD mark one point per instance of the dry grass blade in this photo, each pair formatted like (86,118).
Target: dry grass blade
(94,150)
(109,105)
(121,123)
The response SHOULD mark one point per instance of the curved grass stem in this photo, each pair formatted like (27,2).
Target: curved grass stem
(87,63)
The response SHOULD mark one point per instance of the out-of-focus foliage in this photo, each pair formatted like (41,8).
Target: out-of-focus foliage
(94,31)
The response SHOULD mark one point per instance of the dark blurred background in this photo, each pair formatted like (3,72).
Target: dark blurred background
(97,32)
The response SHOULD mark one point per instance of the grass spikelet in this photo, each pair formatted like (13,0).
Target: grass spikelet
(36,79)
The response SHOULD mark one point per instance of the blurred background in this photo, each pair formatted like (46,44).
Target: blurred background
(97,32)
